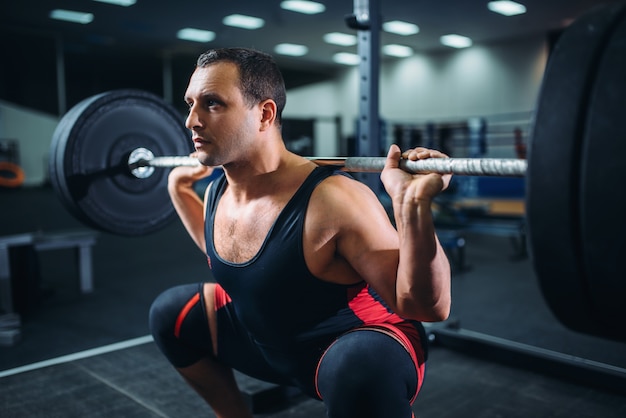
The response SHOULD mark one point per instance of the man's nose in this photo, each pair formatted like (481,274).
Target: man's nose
(192,122)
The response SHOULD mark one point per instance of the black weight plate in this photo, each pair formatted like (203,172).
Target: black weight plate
(603,200)
(58,155)
(88,162)
(59,138)
(553,178)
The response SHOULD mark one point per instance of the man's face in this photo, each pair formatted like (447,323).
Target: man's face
(223,125)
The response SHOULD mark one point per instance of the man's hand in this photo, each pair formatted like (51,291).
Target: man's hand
(407,187)
(187,175)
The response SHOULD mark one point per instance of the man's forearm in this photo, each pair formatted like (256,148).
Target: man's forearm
(423,280)
(190,210)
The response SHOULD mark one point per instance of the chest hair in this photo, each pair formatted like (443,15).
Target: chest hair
(240,232)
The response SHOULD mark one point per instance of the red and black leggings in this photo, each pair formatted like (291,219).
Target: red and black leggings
(371,371)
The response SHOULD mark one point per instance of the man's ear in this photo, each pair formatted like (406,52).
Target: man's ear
(268,113)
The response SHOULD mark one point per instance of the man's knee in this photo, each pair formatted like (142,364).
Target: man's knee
(179,325)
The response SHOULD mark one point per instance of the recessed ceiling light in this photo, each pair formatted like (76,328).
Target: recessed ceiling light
(242,21)
(400,28)
(195,35)
(346,58)
(338,38)
(506,8)
(456,41)
(293,50)
(395,50)
(71,16)
(303,6)
(119,2)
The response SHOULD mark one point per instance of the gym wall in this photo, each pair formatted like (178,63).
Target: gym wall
(480,81)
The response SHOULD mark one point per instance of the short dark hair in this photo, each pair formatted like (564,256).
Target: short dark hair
(259,76)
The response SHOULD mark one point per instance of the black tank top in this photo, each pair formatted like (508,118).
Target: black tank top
(283,306)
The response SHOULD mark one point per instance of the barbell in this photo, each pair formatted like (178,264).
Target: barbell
(141,164)
(107,152)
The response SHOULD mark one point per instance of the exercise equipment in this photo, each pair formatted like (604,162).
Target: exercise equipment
(575,210)
(107,151)
(142,162)
(87,161)
(11,174)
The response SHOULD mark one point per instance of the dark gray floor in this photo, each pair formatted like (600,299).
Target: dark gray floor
(137,382)
(496,296)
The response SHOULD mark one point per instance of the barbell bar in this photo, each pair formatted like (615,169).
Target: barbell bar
(574,177)
(499,167)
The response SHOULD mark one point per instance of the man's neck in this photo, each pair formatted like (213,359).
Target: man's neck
(263,175)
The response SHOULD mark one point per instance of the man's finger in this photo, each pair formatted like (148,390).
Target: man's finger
(393,157)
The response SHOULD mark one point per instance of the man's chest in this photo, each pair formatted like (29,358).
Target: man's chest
(239,232)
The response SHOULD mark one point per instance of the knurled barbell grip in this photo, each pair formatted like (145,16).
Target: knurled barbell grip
(459,166)
(499,167)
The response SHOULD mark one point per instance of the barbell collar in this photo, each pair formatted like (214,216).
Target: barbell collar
(498,167)
(171,161)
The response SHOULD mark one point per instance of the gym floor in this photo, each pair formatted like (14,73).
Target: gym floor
(72,365)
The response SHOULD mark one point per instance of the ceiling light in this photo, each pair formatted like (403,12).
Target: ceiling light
(400,28)
(346,58)
(302,6)
(338,38)
(195,35)
(71,16)
(506,8)
(119,2)
(293,50)
(395,50)
(456,41)
(242,21)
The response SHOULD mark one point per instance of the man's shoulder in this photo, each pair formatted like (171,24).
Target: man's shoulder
(338,182)
(340,192)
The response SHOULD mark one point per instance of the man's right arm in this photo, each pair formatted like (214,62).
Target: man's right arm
(188,205)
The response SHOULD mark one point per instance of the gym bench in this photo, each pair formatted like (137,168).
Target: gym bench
(81,240)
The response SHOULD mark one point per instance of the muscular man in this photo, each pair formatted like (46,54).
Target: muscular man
(315,286)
